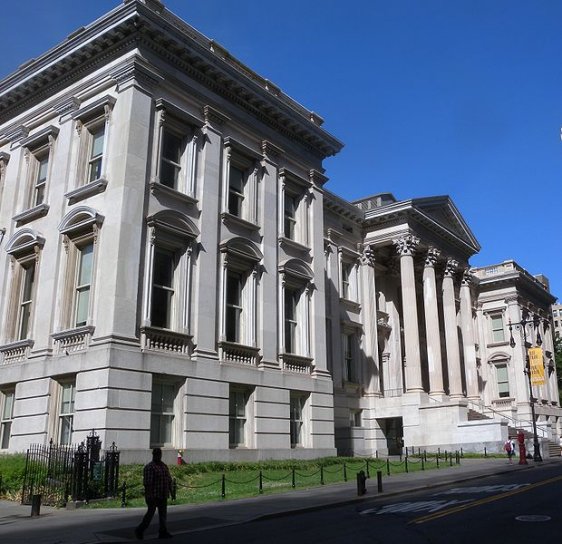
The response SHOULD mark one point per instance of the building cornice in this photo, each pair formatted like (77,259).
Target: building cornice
(135,25)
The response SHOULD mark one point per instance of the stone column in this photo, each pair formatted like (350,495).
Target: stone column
(433,335)
(468,341)
(369,302)
(406,246)
(451,336)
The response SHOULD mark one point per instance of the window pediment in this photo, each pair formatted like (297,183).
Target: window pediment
(298,269)
(241,248)
(173,224)
(94,109)
(40,138)
(80,219)
(24,241)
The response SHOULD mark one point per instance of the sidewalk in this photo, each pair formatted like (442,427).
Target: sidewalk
(84,526)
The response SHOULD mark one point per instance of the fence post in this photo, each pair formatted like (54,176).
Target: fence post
(124,495)
(485,452)
(344,473)
(293,478)
(406,463)
(406,452)
(379,481)
(321,475)
(368,474)
(451,460)
(174,490)
(437,459)
(388,467)
(261,482)
(438,452)
(462,453)
(422,462)
(223,486)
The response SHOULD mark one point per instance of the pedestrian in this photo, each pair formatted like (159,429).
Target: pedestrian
(157,487)
(509,448)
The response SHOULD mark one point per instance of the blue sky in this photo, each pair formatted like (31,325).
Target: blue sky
(430,97)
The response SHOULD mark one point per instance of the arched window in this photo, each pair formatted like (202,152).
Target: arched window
(239,286)
(24,248)
(80,230)
(296,289)
(167,294)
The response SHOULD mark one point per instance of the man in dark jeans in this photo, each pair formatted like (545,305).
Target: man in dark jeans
(157,486)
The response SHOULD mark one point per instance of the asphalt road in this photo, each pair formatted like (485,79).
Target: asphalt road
(519,508)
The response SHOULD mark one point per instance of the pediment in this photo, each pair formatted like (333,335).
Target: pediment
(441,214)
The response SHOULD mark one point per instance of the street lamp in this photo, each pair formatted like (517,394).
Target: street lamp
(536,321)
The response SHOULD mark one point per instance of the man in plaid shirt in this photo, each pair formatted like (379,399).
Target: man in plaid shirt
(157,486)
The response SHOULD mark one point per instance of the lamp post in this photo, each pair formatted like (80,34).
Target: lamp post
(536,321)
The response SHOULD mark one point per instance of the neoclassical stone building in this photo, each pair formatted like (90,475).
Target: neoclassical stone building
(174,272)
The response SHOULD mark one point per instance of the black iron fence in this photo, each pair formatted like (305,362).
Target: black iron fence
(59,472)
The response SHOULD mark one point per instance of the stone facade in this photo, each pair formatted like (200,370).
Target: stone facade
(173,271)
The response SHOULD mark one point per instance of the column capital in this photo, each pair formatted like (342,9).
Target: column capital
(467,277)
(451,267)
(406,245)
(431,256)
(511,300)
(368,256)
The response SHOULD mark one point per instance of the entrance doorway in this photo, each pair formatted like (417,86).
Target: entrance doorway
(394,433)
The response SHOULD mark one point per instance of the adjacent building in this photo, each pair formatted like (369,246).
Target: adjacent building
(174,273)
(557,319)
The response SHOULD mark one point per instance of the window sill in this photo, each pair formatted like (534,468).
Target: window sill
(296,363)
(72,340)
(157,339)
(232,352)
(497,344)
(229,219)
(30,214)
(158,189)
(290,244)
(85,191)
(351,304)
(15,352)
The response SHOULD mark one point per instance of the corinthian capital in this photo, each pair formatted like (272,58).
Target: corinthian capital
(467,277)
(368,256)
(451,267)
(406,245)
(431,256)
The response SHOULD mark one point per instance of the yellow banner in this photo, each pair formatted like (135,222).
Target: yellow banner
(537,366)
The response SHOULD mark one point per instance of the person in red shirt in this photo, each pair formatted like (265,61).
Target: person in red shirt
(157,486)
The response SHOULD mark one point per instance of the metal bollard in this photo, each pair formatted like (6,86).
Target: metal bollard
(361,487)
(379,481)
(124,495)
(35,505)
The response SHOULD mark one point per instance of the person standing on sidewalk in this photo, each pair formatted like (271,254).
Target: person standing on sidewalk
(157,486)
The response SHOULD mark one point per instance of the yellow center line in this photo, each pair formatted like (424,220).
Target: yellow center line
(460,508)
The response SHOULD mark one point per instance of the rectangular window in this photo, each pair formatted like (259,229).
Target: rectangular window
(66,413)
(291,303)
(234,286)
(83,284)
(170,159)
(348,363)
(162,288)
(503,380)
(7,399)
(236,185)
(97,136)
(296,419)
(237,417)
(498,334)
(41,180)
(26,301)
(162,414)
(346,271)
(290,216)
(355,418)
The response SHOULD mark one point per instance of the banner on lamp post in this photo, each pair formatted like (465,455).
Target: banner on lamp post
(536,365)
